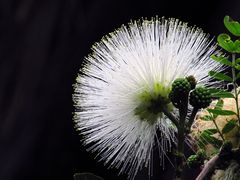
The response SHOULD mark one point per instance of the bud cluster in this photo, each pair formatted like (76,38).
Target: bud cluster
(196,160)
(180,90)
(200,97)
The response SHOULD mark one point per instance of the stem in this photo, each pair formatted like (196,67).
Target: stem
(192,117)
(218,129)
(235,85)
(170,116)
(179,153)
(181,137)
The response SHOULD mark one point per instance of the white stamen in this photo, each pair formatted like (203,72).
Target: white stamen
(121,65)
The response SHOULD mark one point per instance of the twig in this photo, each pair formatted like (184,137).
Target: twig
(192,117)
(170,116)
(209,166)
(235,85)
(219,132)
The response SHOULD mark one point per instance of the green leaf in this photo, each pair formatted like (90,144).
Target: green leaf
(210,131)
(215,142)
(86,176)
(237,66)
(219,104)
(237,60)
(206,138)
(224,41)
(232,26)
(222,60)
(237,46)
(238,75)
(206,118)
(221,112)
(220,76)
(229,126)
(214,90)
(222,94)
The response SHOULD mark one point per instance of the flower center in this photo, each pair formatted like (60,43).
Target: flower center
(152,103)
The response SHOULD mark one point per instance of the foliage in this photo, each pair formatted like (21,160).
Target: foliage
(231,44)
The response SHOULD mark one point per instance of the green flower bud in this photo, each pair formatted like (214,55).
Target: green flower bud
(192,161)
(180,90)
(197,160)
(200,97)
(192,81)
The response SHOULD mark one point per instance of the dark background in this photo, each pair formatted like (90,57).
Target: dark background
(42,45)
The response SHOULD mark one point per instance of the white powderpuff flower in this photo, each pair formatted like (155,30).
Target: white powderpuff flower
(122,81)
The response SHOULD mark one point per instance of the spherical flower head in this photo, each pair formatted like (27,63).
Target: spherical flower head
(125,82)
(200,97)
(180,90)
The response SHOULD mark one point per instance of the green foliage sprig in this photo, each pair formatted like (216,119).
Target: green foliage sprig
(231,44)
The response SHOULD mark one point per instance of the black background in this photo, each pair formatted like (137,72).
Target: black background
(42,45)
